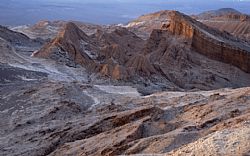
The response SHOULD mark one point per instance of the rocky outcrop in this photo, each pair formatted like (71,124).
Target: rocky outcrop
(114,70)
(235,55)
(60,118)
(228,20)
(69,46)
(225,19)
(145,24)
(141,64)
(156,107)
(174,59)
(48,30)
(168,56)
(119,44)
(105,53)
(211,43)
(241,29)
(179,25)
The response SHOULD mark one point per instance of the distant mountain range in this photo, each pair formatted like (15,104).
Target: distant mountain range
(15,12)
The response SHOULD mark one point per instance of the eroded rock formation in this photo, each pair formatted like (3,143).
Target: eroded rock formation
(210,42)
(59,118)
(69,46)
(49,108)
(168,56)
(229,20)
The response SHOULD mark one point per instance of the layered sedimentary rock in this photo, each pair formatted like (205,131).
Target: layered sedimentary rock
(179,25)
(48,108)
(240,29)
(225,19)
(164,58)
(210,42)
(229,20)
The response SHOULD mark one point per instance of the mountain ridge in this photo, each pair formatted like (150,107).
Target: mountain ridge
(170,85)
(122,55)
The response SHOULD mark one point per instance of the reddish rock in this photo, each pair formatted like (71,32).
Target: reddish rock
(169,56)
(68,43)
(210,42)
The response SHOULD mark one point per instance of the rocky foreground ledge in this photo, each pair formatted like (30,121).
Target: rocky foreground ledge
(55,118)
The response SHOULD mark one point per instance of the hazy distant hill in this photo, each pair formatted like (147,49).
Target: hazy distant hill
(16,12)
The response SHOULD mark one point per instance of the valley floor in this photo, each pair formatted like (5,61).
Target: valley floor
(46,117)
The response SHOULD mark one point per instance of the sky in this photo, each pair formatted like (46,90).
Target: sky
(20,12)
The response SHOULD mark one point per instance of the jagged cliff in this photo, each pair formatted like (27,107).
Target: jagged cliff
(229,20)
(48,108)
(106,53)
(212,43)
(69,46)
(170,56)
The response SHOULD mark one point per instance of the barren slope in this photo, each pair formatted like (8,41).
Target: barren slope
(88,94)
(165,58)
(79,119)
(229,20)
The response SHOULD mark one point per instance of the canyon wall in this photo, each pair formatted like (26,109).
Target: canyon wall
(180,26)
(221,51)
(211,43)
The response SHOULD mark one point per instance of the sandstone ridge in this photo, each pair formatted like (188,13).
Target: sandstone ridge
(211,42)
(111,92)
(166,57)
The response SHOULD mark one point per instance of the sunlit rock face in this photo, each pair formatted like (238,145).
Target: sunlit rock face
(119,54)
(178,88)
(210,42)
